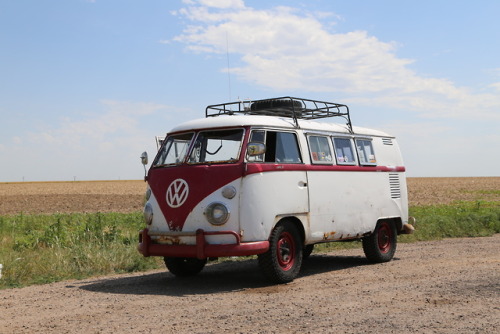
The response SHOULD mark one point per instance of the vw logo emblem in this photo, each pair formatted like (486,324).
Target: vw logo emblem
(177,193)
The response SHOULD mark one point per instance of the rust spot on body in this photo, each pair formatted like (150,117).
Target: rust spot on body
(328,235)
(168,240)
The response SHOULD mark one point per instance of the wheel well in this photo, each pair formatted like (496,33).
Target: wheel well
(297,223)
(396,221)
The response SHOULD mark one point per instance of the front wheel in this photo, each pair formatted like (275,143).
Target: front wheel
(308,249)
(184,266)
(380,246)
(282,262)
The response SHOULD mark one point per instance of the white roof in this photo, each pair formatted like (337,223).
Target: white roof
(271,121)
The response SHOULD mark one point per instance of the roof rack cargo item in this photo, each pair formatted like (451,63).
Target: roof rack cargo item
(293,107)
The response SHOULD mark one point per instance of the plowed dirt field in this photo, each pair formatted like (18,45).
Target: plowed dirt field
(127,196)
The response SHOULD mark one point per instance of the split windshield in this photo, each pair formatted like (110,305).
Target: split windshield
(221,146)
(174,150)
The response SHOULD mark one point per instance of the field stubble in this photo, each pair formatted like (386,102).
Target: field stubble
(127,196)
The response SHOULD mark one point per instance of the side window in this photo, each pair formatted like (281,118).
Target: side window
(320,150)
(282,147)
(365,152)
(344,151)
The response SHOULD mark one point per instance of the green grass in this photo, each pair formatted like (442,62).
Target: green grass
(37,249)
(462,219)
(46,248)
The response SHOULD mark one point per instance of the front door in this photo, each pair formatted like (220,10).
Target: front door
(275,184)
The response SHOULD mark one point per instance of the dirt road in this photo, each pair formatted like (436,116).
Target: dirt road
(449,286)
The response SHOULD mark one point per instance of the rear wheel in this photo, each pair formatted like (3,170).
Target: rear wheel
(184,266)
(380,246)
(282,262)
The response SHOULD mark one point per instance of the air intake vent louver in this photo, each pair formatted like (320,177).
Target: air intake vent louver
(387,141)
(394,185)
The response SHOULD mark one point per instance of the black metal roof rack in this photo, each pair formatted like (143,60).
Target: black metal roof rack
(293,107)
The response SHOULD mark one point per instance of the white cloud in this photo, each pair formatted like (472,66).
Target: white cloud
(119,118)
(222,3)
(496,86)
(287,50)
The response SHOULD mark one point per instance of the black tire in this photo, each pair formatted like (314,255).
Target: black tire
(282,262)
(380,246)
(270,104)
(184,266)
(308,249)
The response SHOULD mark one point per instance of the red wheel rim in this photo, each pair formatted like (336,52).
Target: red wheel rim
(286,251)
(385,237)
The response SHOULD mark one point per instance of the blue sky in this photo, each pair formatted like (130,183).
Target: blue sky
(86,85)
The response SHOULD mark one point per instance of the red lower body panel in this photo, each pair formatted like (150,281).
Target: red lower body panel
(201,249)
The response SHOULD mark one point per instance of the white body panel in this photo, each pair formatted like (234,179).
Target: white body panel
(346,205)
(266,196)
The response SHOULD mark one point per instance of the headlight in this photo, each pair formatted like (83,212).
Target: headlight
(148,214)
(217,213)
(147,195)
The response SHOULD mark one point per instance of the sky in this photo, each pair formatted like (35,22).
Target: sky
(86,85)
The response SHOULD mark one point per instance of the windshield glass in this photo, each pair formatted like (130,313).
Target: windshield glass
(217,146)
(175,149)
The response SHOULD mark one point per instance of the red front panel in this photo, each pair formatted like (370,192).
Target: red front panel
(179,189)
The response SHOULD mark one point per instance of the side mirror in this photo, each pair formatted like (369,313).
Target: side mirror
(144,158)
(254,149)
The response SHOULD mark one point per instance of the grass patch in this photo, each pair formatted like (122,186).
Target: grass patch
(461,219)
(47,248)
(38,249)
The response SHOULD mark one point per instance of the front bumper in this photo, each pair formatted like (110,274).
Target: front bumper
(202,249)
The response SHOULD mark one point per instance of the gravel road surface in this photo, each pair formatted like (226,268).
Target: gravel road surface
(448,286)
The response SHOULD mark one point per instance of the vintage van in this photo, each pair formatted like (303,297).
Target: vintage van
(266,178)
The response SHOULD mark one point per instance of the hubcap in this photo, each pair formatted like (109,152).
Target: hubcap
(384,237)
(286,251)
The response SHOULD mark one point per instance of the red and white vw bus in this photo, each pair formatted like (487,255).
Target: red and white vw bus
(266,178)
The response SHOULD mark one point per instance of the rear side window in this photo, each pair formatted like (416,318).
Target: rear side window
(365,152)
(320,150)
(344,151)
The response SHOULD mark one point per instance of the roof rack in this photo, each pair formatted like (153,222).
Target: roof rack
(293,107)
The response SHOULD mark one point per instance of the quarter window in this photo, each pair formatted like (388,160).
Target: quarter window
(320,150)
(344,151)
(365,152)
(282,147)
